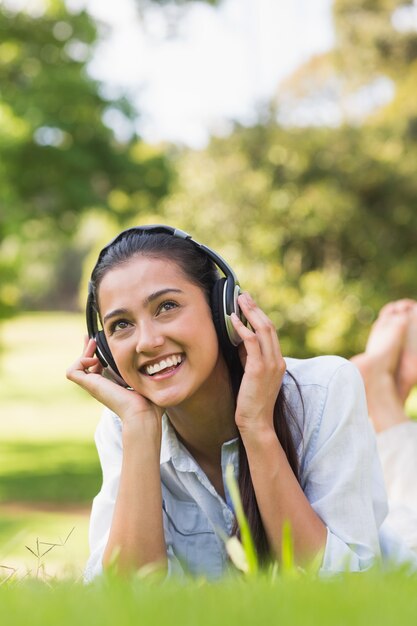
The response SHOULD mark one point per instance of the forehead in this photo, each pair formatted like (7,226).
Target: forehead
(143,269)
(141,275)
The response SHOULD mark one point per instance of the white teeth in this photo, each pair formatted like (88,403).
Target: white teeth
(175,359)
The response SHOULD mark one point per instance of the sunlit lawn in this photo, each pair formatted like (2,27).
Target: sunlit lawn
(49,470)
(22,527)
(37,402)
(364,599)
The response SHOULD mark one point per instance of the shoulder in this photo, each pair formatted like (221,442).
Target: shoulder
(319,371)
(323,394)
(319,382)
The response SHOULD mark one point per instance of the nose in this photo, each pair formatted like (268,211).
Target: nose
(149,337)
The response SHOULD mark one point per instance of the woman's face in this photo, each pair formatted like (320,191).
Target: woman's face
(159,329)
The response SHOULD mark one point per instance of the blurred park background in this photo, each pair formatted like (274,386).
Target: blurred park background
(307,187)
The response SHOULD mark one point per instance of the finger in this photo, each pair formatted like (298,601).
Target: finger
(242,354)
(84,365)
(86,372)
(262,325)
(246,300)
(89,348)
(87,363)
(267,335)
(267,368)
(248,337)
(97,369)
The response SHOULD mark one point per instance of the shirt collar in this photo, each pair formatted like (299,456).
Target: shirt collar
(173,450)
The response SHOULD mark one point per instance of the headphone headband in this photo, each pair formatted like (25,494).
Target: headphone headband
(176,232)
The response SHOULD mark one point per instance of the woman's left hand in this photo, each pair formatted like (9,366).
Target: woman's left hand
(264,366)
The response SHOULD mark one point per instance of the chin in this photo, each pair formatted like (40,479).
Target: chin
(164,398)
(168,401)
(161,397)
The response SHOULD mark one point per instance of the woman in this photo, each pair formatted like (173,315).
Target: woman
(192,400)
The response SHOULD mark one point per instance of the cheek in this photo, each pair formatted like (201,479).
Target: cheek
(210,349)
(114,349)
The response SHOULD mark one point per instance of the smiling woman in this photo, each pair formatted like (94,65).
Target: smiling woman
(146,327)
(199,382)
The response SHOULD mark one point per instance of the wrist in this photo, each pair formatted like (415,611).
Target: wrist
(257,434)
(144,434)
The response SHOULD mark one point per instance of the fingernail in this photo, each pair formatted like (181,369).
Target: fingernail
(249,299)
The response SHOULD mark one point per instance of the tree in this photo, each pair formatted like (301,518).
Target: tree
(58,157)
(368,43)
(319,219)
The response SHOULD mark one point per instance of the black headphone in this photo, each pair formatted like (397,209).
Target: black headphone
(223,299)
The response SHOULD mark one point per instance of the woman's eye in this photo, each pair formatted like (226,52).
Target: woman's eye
(168,305)
(119,325)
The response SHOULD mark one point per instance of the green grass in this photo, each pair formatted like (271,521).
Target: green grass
(47,453)
(350,600)
(53,471)
(37,400)
(23,527)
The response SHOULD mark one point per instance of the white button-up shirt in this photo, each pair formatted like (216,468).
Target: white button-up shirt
(340,475)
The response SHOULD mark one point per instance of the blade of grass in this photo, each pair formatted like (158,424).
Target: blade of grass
(245,534)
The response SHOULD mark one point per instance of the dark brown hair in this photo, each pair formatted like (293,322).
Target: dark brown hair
(202,271)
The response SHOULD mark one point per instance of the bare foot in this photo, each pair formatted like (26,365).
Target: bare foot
(387,338)
(379,365)
(407,370)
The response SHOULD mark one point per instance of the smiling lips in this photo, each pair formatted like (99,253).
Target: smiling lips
(164,365)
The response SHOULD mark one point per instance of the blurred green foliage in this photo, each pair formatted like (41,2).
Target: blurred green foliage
(319,221)
(319,224)
(58,156)
(368,42)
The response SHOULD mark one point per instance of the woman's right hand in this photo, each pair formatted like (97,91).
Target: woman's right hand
(134,410)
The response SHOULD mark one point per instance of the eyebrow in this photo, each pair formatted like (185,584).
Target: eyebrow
(153,296)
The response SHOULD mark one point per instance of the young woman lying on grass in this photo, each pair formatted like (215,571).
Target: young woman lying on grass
(201,388)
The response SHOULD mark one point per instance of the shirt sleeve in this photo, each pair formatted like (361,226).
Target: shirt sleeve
(342,476)
(109,447)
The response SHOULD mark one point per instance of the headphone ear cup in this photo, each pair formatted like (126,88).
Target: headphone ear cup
(231,291)
(217,310)
(103,352)
(106,359)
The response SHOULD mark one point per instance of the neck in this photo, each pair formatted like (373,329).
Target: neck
(207,420)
